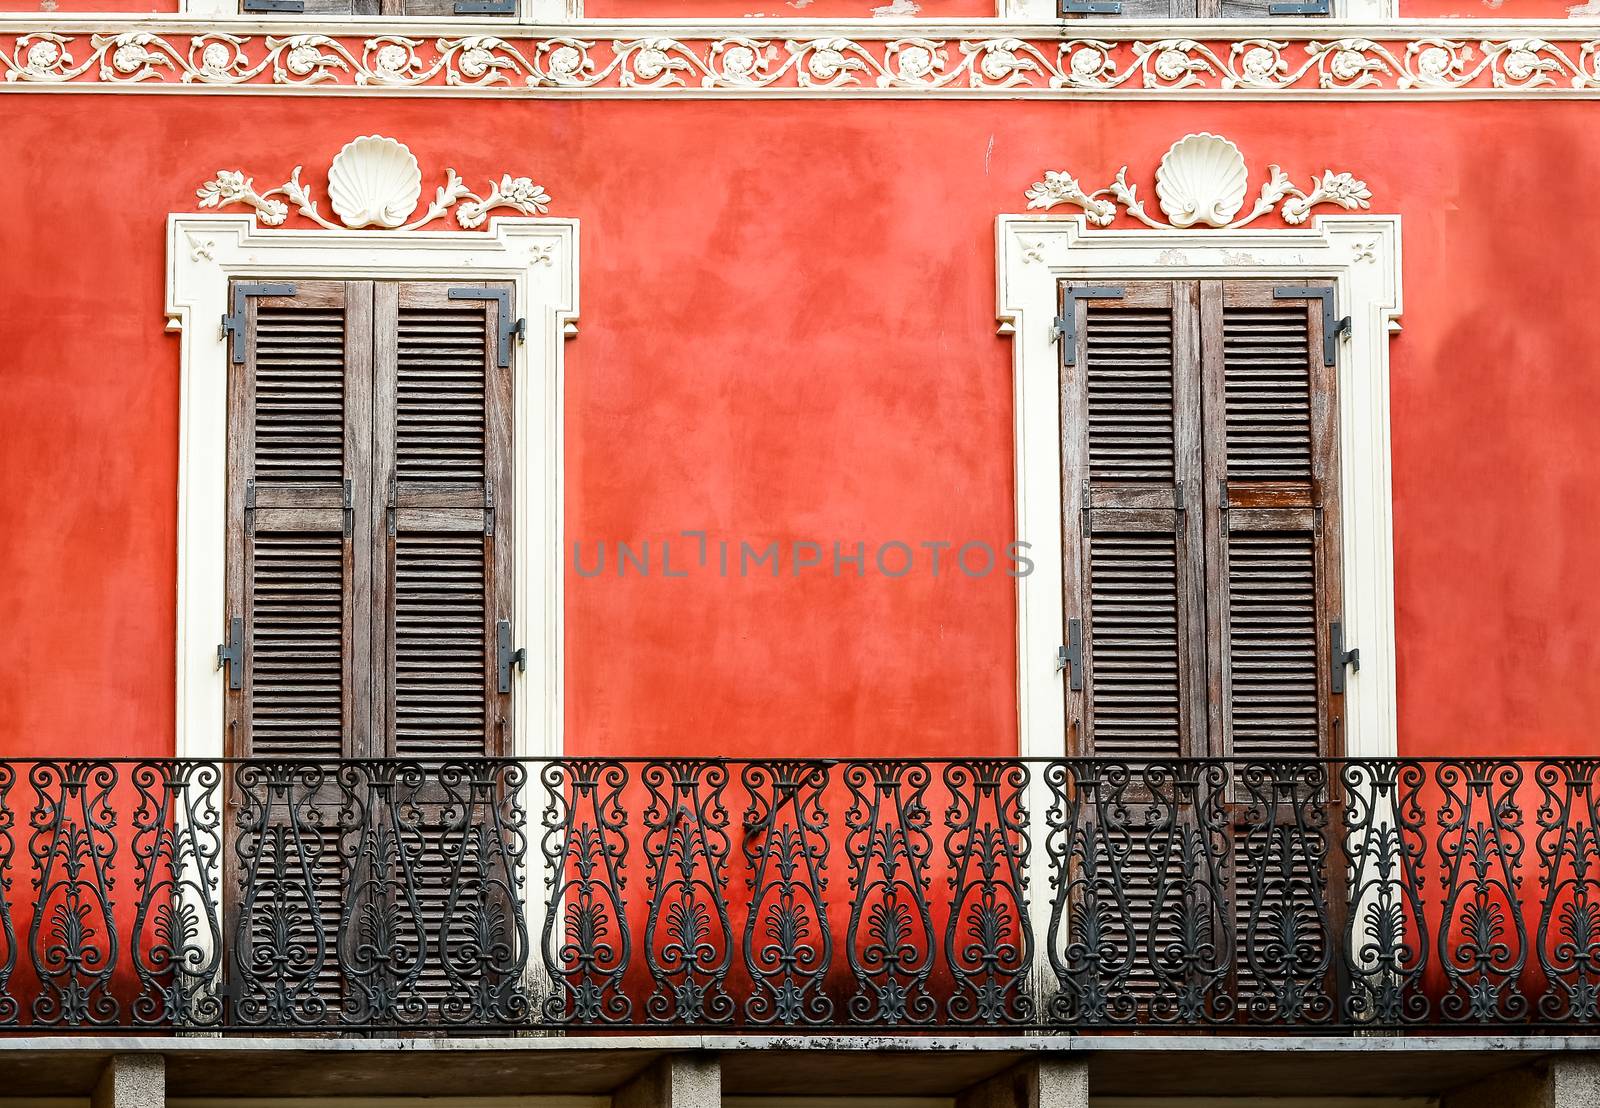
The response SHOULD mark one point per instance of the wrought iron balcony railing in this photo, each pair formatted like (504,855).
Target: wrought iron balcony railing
(580,894)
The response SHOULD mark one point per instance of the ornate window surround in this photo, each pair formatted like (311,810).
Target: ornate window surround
(539,255)
(1361,255)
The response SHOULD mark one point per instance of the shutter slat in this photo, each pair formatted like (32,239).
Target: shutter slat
(1267,385)
(1272,644)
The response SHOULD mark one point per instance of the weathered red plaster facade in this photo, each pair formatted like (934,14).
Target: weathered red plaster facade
(788,334)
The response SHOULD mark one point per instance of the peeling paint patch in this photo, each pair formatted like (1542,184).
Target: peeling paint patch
(1589,10)
(899,7)
(989,150)
(800,3)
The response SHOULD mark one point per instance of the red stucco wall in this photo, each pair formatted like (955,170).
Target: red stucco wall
(788,333)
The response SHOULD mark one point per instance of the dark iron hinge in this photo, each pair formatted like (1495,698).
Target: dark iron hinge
(391,506)
(1300,7)
(1339,658)
(1332,326)
(506,657)
(488,505)
(233,322)
(250,506)
(1067,323)
(486,7)
(1089,7)
(231,653)
(508,326)
(349,508)
(1070,656)
(295,7)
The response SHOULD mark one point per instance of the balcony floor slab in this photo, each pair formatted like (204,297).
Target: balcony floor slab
(780,1065)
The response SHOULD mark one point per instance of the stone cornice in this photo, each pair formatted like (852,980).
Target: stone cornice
(1288,59)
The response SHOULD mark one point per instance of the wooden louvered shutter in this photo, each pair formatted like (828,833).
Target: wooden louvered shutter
(1132,534)
(1272,470)
(442,416)
(298,460)
(298,569)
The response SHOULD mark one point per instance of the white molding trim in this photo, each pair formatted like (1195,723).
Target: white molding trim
(1293,59)
(540,256)
(1361,255)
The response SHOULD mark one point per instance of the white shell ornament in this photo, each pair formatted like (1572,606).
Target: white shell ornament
(1201,179)
(374,181)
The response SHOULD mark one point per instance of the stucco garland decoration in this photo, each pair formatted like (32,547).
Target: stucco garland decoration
(1202,178)
(374,182)
(737,64)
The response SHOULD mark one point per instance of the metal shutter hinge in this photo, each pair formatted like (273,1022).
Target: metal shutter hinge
(390,507)
(1332,326)
(295,7)
(505,657)
(349,509)
(1339,658)
(250,506)
(1066,325)
(1300,7)
(1089,7)
(233,322)
(1070,656)
(231,653)
(486,7)
(507,326)
(488,505)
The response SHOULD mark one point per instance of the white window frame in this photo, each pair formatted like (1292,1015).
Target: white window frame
(1360,254)
(528,11)
(1354,11)
(540,258)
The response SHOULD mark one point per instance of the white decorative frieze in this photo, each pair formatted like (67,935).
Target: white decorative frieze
(1202,179)
(374,182)
(1023,62)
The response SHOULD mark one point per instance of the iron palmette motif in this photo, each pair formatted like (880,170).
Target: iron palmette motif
(1569,917)
(1285,953)
(1189,941)
(788,947)
(382,939)
(291,823)
(74,938)
(1483,937)
(480,828)
(176,938)
(890,938)
(1386,948)
(586,939)
(988,941)
(688,934)
(1091,937)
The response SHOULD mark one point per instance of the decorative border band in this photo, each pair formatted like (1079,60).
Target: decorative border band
(554,64)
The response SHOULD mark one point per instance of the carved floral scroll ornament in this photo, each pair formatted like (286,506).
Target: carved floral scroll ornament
(374,182)
(1202,179)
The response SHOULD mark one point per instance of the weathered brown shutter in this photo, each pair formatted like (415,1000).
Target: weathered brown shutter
(443,462)
(298,460)
(297,567)
(1272,467)
(1132,524)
